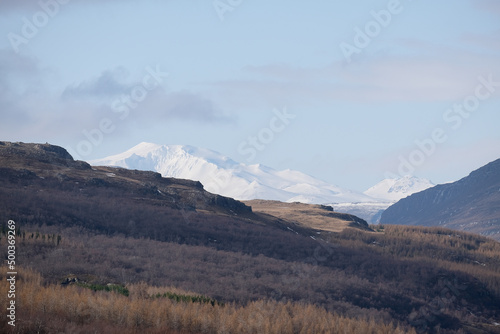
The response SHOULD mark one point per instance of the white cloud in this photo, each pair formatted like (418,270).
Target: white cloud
(441,74)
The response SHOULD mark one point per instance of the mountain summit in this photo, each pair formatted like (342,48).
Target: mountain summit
(392,190)
(222,175)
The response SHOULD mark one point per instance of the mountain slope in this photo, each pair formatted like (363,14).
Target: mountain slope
(221,175)
(470,204)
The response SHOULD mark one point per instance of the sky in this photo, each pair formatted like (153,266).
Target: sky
(350,92)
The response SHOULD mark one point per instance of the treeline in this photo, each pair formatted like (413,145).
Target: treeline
(23,235)
(457,251)
(187,298)
(110,212)
(57,309)
(365,276)
(175,296)
(108,288)
(26,236)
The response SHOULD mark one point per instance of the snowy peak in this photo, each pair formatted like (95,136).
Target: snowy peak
(159,154)
(393,190)
(221,175)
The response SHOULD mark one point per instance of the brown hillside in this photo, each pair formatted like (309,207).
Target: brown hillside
(318,217)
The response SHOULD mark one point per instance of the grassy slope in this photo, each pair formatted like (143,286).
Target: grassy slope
(316,217)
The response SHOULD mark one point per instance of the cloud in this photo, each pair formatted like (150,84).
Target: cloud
(182,105)
(114,91)
(20,78)
(437,74)
(110,83)
(31,110)
(16,69)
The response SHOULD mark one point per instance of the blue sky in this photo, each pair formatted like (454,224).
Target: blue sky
(369,87)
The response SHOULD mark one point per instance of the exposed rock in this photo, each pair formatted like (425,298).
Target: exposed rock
(41,153)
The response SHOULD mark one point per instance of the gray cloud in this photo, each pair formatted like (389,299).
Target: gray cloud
(112,89)
(19,78)
(162,105)
(31,110)
(110,83)
(16,67)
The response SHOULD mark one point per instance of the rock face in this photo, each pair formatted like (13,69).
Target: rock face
(470,204)
(42,153)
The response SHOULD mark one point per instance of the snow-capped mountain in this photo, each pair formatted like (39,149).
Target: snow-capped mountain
(221,175)
(392,190)
(224,176)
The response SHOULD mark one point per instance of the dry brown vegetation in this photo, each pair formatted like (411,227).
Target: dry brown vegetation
(317,217)
(56,309)
(434,280)
(456,251)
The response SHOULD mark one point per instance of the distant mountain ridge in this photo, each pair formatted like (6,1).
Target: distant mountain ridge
(470,204)
(222,175)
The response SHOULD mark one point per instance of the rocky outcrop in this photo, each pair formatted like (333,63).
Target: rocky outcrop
(42,153)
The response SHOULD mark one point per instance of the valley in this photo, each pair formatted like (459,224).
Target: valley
(269,267)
